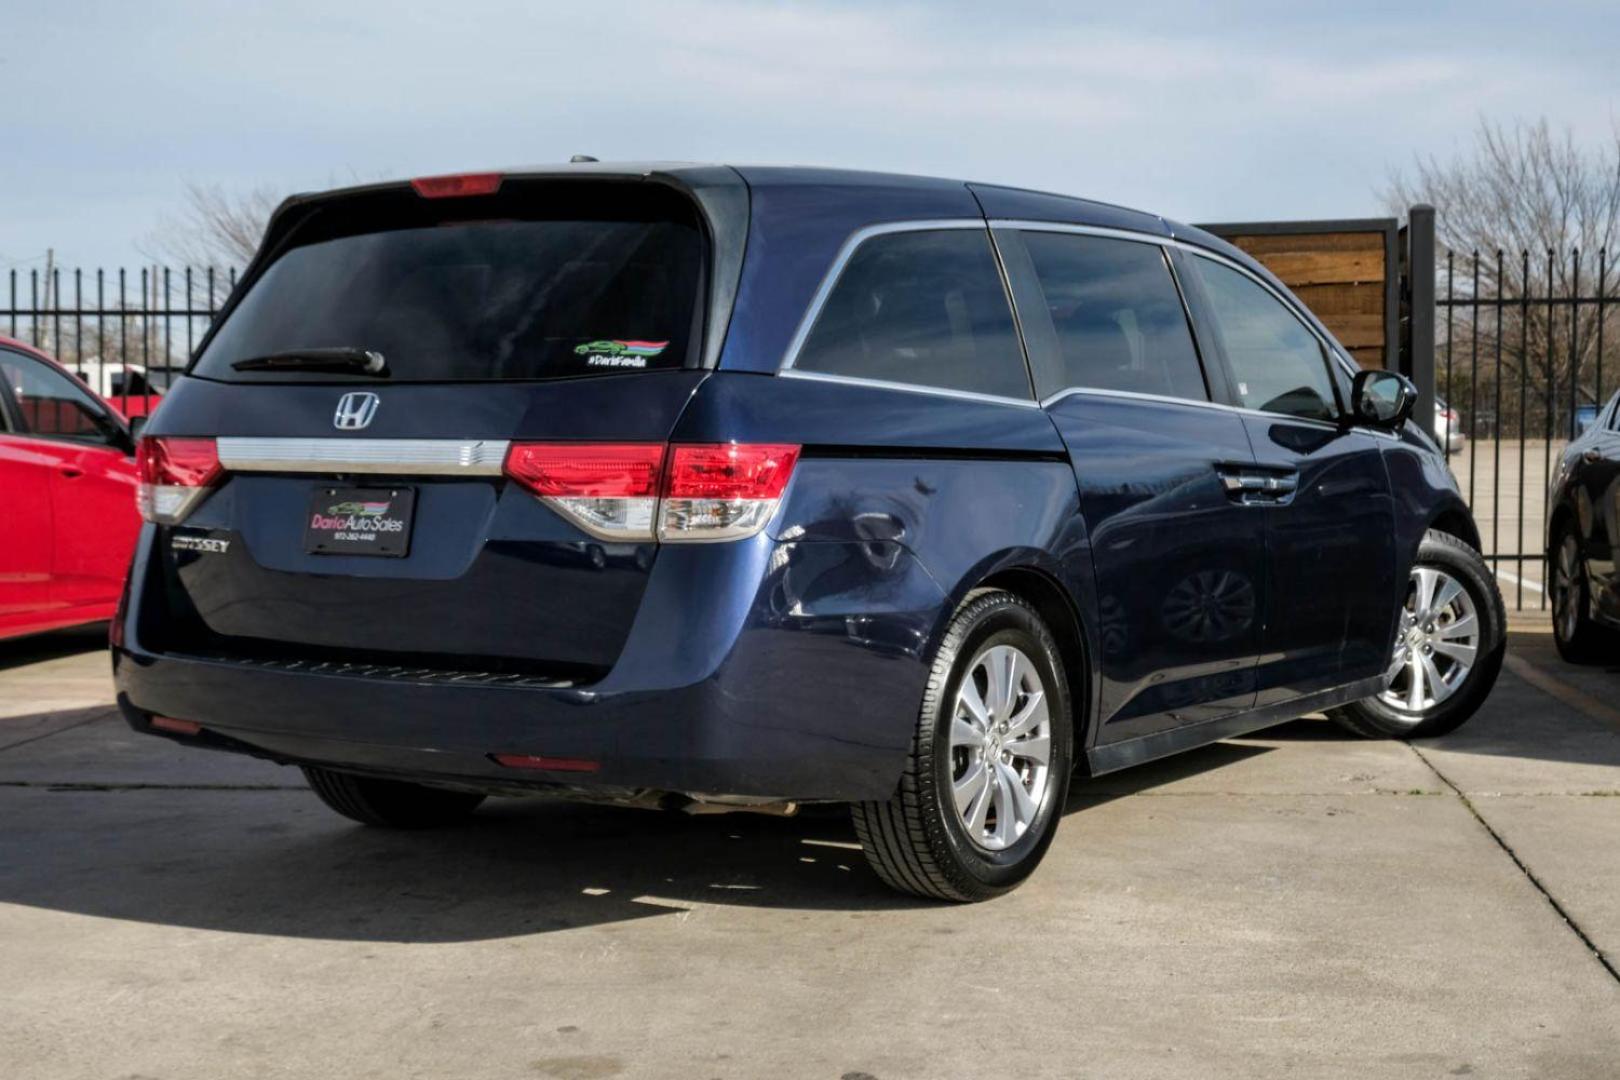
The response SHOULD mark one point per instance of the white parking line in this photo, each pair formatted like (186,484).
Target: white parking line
(1515,579)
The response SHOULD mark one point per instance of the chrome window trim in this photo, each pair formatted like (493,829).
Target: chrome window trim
(1168,399)
(413,457)
(910,388)
(1134,395)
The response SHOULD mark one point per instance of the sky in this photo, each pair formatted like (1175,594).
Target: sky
(1199,111)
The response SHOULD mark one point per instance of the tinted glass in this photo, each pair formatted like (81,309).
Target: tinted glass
(1277,364)
(1119,320)
(925,308)
(50,403)
(601,289)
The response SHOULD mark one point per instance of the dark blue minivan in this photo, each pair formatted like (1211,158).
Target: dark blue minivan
(712,488)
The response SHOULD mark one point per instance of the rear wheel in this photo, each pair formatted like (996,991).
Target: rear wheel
(1579,639)
(1448,649)
(395,804)
(989,767)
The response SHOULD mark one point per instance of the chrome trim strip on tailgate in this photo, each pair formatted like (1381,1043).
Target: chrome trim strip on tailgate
(412,457)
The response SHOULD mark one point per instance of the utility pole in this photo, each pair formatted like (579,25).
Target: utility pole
(43,322)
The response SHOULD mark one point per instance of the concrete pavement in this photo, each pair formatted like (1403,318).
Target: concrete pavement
(1299,904)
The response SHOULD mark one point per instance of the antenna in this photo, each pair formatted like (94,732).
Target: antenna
(579,158)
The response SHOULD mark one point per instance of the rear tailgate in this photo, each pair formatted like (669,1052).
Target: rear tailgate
(560,314)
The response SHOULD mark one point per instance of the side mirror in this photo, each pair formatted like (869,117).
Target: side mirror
(1382,399)
(124,434)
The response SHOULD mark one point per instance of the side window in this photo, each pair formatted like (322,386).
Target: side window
(925,308)
(1277,364)
(1119,320)
(51,404)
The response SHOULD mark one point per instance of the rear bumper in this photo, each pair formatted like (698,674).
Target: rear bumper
(758,669)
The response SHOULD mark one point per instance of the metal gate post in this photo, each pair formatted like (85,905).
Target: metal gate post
(1417,362)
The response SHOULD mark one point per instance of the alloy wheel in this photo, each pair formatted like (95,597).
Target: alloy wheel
(1001,747)
(1566,591)
(1437,644)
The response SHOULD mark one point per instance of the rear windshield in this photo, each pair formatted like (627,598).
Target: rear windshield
(537,282)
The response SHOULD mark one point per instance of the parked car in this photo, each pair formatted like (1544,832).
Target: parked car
(1448,427)
(533,482)
(1582,530)
(1582,417)
(130,388)
(67,472)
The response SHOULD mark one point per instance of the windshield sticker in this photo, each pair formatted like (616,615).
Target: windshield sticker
(615,353)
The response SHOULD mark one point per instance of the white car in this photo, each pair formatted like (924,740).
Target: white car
(1448,426)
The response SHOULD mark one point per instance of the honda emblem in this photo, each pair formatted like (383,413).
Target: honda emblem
(354,411)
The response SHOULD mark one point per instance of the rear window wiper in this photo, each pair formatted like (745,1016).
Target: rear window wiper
(345,361)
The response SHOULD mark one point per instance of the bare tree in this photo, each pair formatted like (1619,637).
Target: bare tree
(1522,188)
(1526,215)
(215,227)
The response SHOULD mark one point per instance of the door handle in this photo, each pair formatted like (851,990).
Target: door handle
(71,472)
(1592,454)
(1256,487)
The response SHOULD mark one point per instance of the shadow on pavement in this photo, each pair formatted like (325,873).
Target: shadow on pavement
(58,643)
(1087,791)
(276,862)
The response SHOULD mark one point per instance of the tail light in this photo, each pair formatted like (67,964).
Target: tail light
(175,475)
(634,491)
(608,489)
(723,492)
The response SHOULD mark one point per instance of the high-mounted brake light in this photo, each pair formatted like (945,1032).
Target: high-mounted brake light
(175,475)
(457,185)
(628,492)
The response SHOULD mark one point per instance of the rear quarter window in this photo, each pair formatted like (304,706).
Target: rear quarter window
(1118,317)
(536,283)
(924,308)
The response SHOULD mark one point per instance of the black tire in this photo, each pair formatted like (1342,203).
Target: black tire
(394,804)
(1578,638)
(1376,719)
(915,840)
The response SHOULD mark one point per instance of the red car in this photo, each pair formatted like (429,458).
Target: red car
(67,476)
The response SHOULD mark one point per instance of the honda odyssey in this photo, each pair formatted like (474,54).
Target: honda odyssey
(705,488)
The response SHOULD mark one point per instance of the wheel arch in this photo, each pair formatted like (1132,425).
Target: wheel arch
(1057,609)
(1562,514)
(1455,520)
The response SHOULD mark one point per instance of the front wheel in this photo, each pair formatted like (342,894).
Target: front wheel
(989,766)
(1448,649)
(1579,639)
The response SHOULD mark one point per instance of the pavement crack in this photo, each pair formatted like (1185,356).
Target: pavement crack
(1529,875)
(99,714)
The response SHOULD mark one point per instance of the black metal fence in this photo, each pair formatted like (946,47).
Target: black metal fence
(1527,350)
(1525,347)
(125,332)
